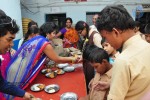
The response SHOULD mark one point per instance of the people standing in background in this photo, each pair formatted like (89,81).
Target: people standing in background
(32,24)
(69,34)
(147,32)
(83,30)
(32,32)
(138,29)
(8,30)
(93,31)
(131,68)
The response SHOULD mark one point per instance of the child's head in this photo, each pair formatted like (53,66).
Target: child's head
(98,58)
(137,26)
(107,47)
(147,32)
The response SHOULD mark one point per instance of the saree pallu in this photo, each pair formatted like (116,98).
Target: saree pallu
(70,38)
(26,63)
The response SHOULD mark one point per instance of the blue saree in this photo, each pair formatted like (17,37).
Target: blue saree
(26,63)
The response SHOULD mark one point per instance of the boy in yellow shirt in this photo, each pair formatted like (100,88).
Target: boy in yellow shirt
(99,59)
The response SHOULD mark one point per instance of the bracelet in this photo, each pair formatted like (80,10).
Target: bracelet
(73,60)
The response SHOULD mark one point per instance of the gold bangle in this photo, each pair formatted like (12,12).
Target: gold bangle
(73,60)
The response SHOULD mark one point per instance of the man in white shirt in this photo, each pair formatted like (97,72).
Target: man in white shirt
(96,35)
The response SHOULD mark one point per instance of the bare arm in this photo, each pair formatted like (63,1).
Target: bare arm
(49,51)
(58,34)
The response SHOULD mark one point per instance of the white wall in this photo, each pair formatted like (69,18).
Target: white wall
(77,11)
(12,9)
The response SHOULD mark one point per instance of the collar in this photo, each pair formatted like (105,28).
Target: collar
(109,73)
(117,54)
(131,40)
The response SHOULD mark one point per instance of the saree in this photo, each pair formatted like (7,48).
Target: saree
(70,38)
(26,63)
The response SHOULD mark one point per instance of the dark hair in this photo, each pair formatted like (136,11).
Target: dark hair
(31,30)
(147,29)
(48,27)
(103,40)
(95,54)
(32,23)
(68,18)
(80,25)
(7,24)
(137,24)
(2,13)
(115,16)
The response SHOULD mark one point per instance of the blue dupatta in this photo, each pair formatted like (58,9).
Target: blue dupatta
(26,63)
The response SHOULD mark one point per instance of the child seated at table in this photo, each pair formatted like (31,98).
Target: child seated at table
(99,59)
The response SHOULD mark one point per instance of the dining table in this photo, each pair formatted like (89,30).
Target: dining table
(73,81)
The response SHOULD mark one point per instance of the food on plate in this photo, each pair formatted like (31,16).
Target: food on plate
(60,71)
(37,87)
(51,75)
(73,49)
(41,86)
(52,88)
(44,71)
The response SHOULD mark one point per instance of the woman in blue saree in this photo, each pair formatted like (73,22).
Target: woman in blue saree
(28,60)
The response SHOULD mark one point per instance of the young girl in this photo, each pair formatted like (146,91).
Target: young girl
(112,52)
(83,32)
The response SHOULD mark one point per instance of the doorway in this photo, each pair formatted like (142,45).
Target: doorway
(58,19)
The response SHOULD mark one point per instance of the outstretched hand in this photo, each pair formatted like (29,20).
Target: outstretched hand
(29,96)
(78,58)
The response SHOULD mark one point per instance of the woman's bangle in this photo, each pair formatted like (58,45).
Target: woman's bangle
(73,60)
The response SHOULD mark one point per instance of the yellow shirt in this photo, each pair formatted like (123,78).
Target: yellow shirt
(99,95)
(131,71)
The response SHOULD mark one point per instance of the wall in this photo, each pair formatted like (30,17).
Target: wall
(77,11)
(12,9)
